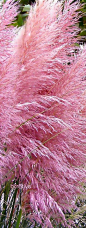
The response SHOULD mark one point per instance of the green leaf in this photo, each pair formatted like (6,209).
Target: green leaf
(12,205)
(83,33)
(20,20)
(26,8)
(4,191)
(19,218)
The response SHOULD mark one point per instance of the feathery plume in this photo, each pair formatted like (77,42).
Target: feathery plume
(43,111)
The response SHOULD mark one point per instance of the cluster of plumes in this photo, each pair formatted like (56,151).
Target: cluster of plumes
(43,108)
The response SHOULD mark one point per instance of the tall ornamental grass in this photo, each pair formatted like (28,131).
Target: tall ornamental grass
(43,108)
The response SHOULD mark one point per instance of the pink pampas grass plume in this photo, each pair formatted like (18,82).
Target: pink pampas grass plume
(43,111)
(7,15)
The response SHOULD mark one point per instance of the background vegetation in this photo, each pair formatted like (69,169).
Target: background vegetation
(24,6)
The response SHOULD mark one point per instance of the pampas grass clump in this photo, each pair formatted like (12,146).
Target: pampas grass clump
(43,107)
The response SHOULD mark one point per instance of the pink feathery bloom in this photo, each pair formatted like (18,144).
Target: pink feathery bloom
(43,108)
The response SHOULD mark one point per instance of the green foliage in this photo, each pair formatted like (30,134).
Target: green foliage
(24,8)
(19,218)
(82,23)
(12,216)
(20,20)
(11,212)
